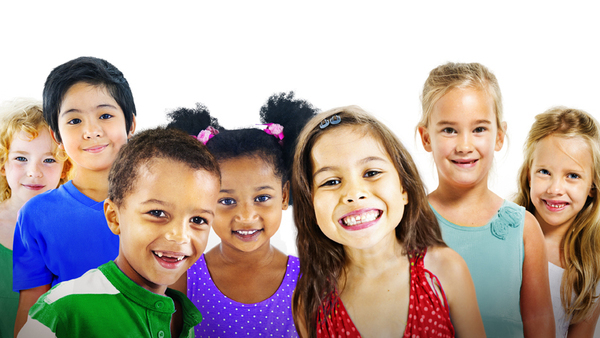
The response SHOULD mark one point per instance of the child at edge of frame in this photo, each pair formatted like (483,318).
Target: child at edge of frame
(161,203)
(60,235)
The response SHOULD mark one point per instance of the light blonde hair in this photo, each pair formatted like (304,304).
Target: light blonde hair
(579,245)
(25,115)
(444,78)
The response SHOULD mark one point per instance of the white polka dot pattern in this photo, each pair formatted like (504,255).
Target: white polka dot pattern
(224,317)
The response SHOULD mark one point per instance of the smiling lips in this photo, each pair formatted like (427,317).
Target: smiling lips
(169,260)
(360,219)
(465,163)
(34,186)
(555,205)
(96,149)
(247,235)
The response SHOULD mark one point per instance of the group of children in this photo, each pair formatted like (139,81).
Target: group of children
(108,230)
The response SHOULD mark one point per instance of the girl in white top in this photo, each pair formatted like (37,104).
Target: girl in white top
(557,184)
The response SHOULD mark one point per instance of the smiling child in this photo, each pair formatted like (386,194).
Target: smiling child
(162,198)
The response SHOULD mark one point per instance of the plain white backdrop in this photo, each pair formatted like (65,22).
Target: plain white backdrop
(231,55)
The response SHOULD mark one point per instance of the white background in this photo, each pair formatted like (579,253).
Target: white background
(232,55)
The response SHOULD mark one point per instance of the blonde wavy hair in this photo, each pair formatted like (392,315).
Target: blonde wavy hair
(579,246)
(24,114)
(446,77)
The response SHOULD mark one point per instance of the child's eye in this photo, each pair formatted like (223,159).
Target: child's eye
(371,173)
(573,176)
(227,201)
(331,182)
(544,172)
(105,116)
(198,220)
(49,160)
(157,213)
(21,159)
(479,129)
(262,198)
(448,130)
(74,121)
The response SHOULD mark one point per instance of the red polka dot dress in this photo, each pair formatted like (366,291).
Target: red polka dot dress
(427,316)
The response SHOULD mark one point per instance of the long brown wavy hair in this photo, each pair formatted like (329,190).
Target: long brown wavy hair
(579,247)
(322,260)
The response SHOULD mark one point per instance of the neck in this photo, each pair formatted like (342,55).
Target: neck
(229,255)
(93,184)
(461,195)
(374,260)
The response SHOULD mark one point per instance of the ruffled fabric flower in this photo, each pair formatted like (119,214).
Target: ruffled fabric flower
(206,134)
(507,218)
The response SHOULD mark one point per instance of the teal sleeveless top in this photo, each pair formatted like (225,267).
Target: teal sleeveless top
(9,300)
(494,254)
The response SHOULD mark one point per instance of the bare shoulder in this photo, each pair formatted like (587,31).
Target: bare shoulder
(532,229)
(445,263)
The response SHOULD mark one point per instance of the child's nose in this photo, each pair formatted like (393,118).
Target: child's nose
(92,130)
(354,191)
(33,170)
(464,144)
(556,186)
(246,213)
(178,234)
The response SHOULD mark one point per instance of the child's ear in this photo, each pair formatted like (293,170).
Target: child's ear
(3,170)
(286,196)
(591,194)
(425,138)
(132,128)
(54,138)
(500,136)
(112,216)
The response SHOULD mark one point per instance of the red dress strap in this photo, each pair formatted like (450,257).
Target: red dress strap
(427,315)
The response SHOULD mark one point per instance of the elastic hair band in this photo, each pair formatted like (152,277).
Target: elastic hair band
(275,130)
(206,134)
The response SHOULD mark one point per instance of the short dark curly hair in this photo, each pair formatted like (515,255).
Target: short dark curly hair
(91,70)
(151,144)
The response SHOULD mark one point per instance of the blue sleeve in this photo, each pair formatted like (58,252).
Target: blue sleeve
(29,246)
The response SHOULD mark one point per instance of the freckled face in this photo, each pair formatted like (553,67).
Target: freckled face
(31,167)
(163,224)
(92,126)
(560,180)
(250,203)
(357,194)
(462,135)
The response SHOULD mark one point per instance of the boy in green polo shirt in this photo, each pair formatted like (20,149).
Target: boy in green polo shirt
(162,196)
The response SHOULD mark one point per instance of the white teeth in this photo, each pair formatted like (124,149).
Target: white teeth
(246,232)
(180,258)
(159,254)
(362,218)
(555,205)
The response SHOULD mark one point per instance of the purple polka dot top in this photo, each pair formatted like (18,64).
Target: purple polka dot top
(224,317)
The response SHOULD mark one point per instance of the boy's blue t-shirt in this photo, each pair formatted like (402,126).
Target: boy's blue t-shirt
(60,235)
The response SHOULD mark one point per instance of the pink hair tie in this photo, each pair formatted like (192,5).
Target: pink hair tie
(275,130)
(206,134)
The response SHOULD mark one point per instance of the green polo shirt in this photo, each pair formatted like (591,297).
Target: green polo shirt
(106,303)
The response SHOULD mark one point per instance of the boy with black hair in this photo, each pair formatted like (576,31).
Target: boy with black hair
(63,233)
(163,191)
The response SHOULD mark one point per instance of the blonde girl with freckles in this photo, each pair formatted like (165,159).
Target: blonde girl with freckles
(501,243)
(557,184)
(372,259)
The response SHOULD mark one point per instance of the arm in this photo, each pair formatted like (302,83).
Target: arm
(26,300)
(585,328)
(536,304)
(299,320)
(454,275)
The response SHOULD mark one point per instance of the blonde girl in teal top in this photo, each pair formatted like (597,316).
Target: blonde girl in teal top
(462,126)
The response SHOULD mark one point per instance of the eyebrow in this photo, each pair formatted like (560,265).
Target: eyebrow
(264,187)
(445,122)
(75,110)
(359,162)
(28,153)
(154,200)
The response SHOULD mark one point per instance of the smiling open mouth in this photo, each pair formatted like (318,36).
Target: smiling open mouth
(359,219)
(170,259)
